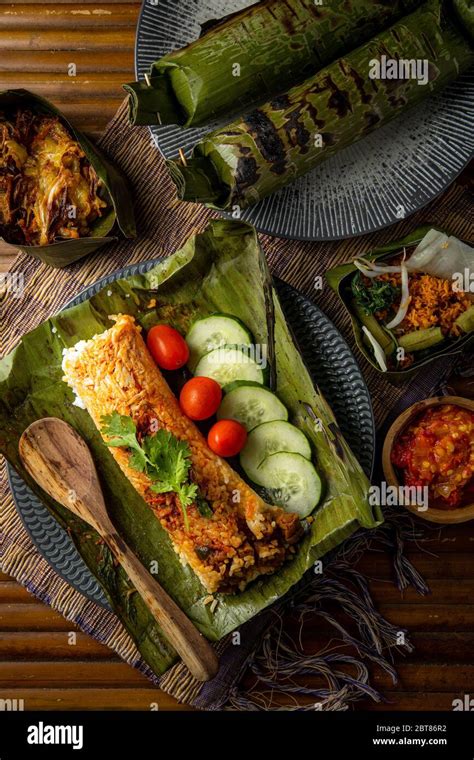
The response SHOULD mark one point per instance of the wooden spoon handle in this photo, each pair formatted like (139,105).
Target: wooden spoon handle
(191,646)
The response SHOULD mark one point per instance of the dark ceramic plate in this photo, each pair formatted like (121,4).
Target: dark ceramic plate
(332,366)
(370,185)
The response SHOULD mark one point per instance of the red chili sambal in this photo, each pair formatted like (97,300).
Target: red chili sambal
(437,450)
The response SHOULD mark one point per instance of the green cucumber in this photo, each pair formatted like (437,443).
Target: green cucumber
(227,364)
(212,332)
(270,438)
(251,405)
(418,340)
(375,328)
(465,321)
(291,482)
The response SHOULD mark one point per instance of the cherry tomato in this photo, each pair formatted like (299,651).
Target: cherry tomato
(200,398)
(226,438)
(167,346)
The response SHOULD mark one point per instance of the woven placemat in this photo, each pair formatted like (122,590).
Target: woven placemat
(164,224)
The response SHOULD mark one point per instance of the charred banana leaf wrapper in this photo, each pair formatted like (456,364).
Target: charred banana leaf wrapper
(289,136)
(250,55)
(60,199)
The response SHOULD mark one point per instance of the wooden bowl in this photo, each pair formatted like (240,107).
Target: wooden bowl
(446,516)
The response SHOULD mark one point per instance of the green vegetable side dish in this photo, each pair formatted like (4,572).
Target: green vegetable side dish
(380,296)
(425,345)
(164,458)
(276,44)
(271,146)
(209,274)
(119,216)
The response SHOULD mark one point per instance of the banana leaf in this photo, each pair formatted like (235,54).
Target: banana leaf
(119,216)
(210,273)
(266,149)
(340,279)
(276,44)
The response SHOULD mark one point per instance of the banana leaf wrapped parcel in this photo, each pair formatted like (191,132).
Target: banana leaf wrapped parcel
(60,198)
(209,275)
(271,146)
(434,317)
(275,45)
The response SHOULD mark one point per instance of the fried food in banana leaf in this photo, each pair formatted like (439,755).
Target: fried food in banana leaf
(271,146)
(59,198)
(275,45)
(48,189)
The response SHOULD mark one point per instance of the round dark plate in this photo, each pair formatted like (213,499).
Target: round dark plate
(381,179)
(332,366)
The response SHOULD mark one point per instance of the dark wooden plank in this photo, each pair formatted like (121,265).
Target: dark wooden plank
(141,698)
(448,565)
(43,674)
(52,16)
(57,62)
(98,85)
(51,646)
(442,592)
(67,39)
(32,617)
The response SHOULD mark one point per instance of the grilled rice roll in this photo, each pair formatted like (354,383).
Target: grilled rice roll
(276,43)
(244,537)
(271,146)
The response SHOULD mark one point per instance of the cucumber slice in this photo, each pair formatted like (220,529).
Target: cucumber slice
(267,439)
(227,364)
(251,405)
(291,482)
(212,332)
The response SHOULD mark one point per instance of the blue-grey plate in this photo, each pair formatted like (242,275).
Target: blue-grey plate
(381,179)
(332,366)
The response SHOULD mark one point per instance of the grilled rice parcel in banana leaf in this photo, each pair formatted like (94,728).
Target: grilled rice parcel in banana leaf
(114,372)
(273,145)
(59,198)
(275,43)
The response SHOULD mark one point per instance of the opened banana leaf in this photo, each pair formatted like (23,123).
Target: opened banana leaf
(210,274)
(341,278)
(258,154)
(60,198)
(253,54)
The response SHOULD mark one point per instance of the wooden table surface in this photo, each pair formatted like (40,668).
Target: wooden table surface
(38,41)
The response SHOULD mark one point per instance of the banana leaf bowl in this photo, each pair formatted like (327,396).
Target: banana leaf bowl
(340,280)
(119,216)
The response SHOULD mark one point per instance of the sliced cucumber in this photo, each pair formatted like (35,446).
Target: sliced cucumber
(267,439)
(212,332)
(291,482)
(251,405)
(227,364)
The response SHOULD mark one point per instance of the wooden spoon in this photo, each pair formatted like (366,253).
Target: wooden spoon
(61,463)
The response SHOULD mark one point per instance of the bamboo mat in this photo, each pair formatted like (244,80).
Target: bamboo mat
(164,224)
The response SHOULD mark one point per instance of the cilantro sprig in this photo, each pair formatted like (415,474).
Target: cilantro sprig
(163,457)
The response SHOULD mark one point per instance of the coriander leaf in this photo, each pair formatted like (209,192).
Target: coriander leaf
(169,458)
(187,494)
(122,432)
(138,460)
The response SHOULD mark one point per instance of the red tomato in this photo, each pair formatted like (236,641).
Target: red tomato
(167,346)
(200,398)
(226,438)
